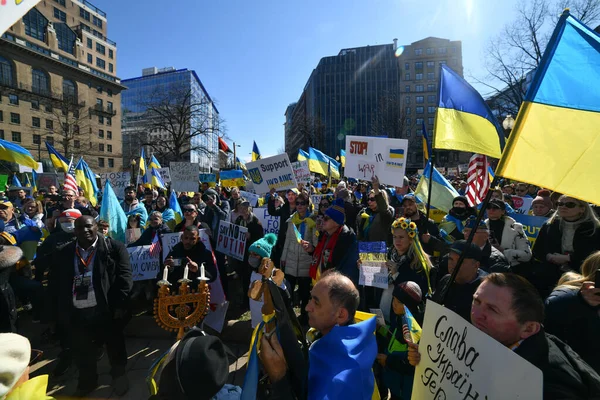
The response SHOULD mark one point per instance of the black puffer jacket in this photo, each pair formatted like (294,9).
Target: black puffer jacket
(8,305)
(575,322)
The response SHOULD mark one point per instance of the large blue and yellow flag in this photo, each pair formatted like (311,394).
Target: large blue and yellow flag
(442,192)
(211,179)
(463,119)
(86,180)
(157,180)
(255,152)
(58,160)
(112,212)
(232,178)
(17,154)
(302,155)
(154,163)
(343,157)
(174,205)
(557,128)
(321,163)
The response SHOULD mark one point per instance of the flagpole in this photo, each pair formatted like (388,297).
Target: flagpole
(431,162)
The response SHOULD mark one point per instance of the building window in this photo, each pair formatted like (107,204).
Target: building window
(407,100)
(430,64)
(109,135)
(101,134)
(37,139)
(407,111)
(430,51)
(13,99)
(109,148)
(407,76)
(419,65)
(99,102)
(101,162)
(2,134)
(84,14)
(431,87)
(66,38)
(97,21)
(111,163)
(420,100)
(49,124)
(89,43)
(6,72)
(430,120)
(419,121)
(101,119)
(419,132)
(110,54)
(109,106)
(35,121)
(100,63)
(35,104)
(419,77)
(408,121)
(109,92)
(418,52)
(408,133)
(111,68)
(35,24)
(16,136)
(100,48)
(48,108)
(39,82)
(453,49)
(109,121)
(90,58)
(431,98)
(442,50)
(419,110)
(101,147)
(418,88)
(15,118)
(431,110)
(407,88)
(58,14)
(99,89)
(407,66)
(430,76)
(61,2)
(76,144)
(443,62)
(50,140)
(69,91)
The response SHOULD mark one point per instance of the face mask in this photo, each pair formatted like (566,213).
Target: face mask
(67,226)
(458,211)
(254,262)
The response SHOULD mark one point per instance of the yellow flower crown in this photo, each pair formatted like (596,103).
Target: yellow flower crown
(407,225)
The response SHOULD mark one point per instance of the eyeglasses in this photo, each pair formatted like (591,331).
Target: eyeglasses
(301,203)
(568,204)
(324,205)
(326,218)
(188,210)
(371,198)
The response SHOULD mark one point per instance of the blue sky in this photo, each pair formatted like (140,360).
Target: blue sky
(254,57)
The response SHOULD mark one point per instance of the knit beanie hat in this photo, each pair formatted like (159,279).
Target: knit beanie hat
(543,197)
(408,293)
(337,212)
(15,353)
(461,199)
(263,246)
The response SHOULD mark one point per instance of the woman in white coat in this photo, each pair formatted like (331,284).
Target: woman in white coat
(506,234)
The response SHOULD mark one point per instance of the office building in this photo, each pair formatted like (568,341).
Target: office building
(58,83)
(141,124)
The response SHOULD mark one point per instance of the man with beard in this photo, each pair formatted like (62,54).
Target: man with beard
(453,223)
(132,206)
(429,234)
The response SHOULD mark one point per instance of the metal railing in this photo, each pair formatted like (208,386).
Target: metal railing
(103,110)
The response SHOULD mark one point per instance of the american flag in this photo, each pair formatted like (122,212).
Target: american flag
(70,182)
(155,247)
(478,180)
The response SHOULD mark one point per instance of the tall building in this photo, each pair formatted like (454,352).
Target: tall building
(58,83)
(162,89)
(385,90)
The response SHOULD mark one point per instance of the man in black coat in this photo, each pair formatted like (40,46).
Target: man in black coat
(90,293)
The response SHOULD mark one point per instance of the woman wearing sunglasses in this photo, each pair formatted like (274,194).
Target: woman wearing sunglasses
(566,239)
(506,234)
(374,221)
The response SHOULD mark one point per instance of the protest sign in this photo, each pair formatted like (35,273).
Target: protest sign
(216,318)
(144,266)
(452,171)
(369,156)
(118,180)
(165,174)
(3,182)
(301,171)
(251,197)
(522,204)
(269,223)
(531,225)
(373,271)
(39,169)
(169,240)
(316,199)
(456,359)
(231,240)
(45,180)
(272,173)
(184,176)
(463,168)
(210,179)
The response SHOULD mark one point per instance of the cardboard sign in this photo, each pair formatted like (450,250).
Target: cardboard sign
(231,240)
(269,223)
(165,174)
(144,266)
(373,271)
(46,180)
(169,240)
(184,176)
(456,359)
(369,156)
(39,169)
(118,180)
(301,171)
(272,173)
(251,197)
(522,205)
(531,225)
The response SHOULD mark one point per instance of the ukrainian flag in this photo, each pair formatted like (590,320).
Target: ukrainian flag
(302,155)
(232,178)
(255,152)
(211,179)
(86,180)
(442,191)
(322,164)
(34,178)
(557,125)
(343,157)
(426,143)
(17,154)
(397,153)
(463,119)
(239,164)
(154,163)
(142,165)
(58,160)
(157,180)
(112,212)
(174,205)
(414,329)
(16,182)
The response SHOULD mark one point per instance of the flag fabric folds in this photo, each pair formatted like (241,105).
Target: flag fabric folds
(343,158)
(223,146)
(142,169)
(255,152)
(302,155)
(426,144)
(410,327)
(320,163)
(34,178)
(157,180)
(17,154)
(70,182)
(232,178)
(86,180)
(463,119)
(58,160)
(154,163)
(174,205)
(16,182)
(27,181)
(112,212)
(478,179)
(155,247)
(442,192)
(556,141)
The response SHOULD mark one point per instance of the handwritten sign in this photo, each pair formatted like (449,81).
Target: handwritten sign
(184,176)
(46,180)
(269,223)
(531,225)
(165,174)
(144,266)
(456,359)
(118,180)
(251,197)
(301,171)
(272,173)
(373,271)
(231,240)
(169,240)
(522,205)
(370,156)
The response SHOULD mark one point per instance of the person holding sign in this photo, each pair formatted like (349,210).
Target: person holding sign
(156,227)
(283,212)
(374,221)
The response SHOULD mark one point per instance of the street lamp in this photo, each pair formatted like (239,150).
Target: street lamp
(235,155)
(133,163)
(508,124)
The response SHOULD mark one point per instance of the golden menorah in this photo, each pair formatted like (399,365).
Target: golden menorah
(175,312)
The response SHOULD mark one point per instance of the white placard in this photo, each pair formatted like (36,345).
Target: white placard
(169,240)
(251,197)
(118,180)
(272,172)
(373,273)
(269,223)
(522,205)
(165,174)
(463,168)
(184,176)
(315,199)
(231,240)
(39,169)
(369,156)
(301,171)
(452,171)
(467,355)
(216,318)
(144,266)
(12,10)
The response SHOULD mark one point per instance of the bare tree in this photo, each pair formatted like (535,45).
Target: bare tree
(72,127)
(390,118)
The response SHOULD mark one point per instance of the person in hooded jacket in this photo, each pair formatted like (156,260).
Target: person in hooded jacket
(507,234)
(451,227)
(374,221)
(132,206)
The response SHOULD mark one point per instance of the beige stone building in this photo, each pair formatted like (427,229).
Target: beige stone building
(58,83)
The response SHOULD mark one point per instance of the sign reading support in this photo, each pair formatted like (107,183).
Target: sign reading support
(118,180)
(272,173)
(143,265)
(369,156)
(373,271)
(184,176)
(269,223)
(231,240)
(456,359)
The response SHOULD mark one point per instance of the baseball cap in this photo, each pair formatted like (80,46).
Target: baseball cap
(70,213)
(6,203)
